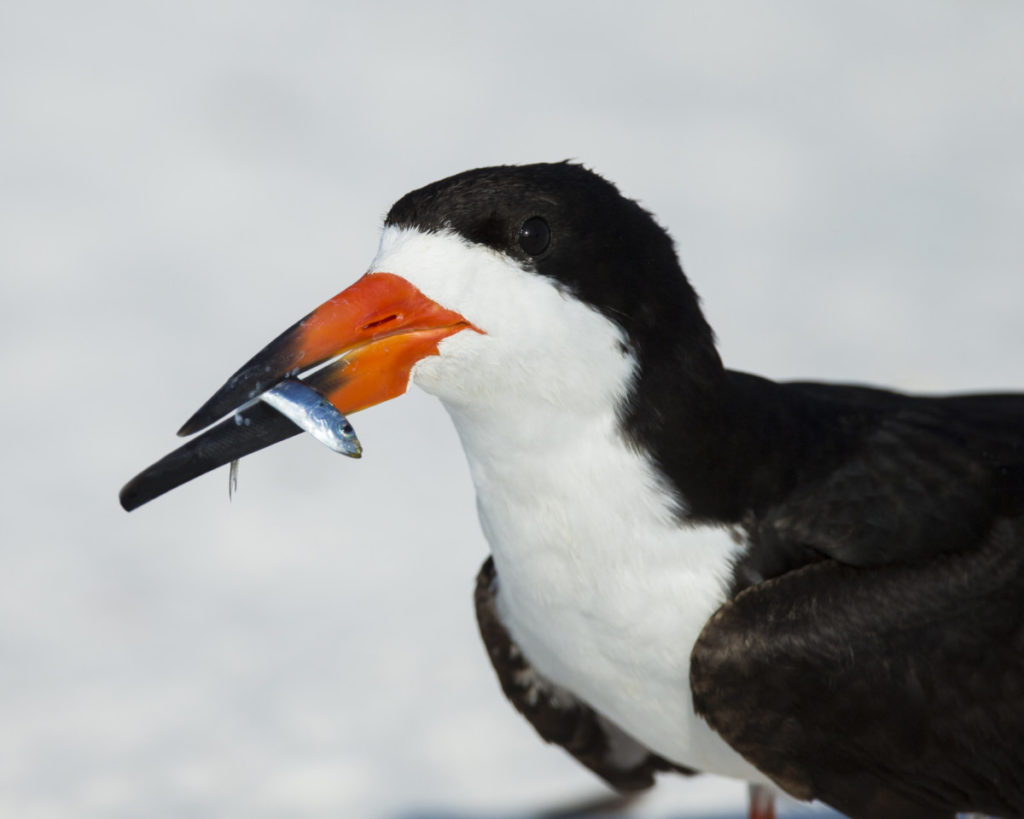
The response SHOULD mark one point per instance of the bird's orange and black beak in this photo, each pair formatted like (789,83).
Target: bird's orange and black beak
(356,350)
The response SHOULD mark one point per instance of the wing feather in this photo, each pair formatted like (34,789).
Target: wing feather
(895,692)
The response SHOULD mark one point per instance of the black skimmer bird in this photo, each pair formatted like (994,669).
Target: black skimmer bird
(811,587)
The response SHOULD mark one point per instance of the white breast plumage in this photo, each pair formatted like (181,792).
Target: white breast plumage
(599,584)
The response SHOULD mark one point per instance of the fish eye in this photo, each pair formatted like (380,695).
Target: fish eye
(534,236)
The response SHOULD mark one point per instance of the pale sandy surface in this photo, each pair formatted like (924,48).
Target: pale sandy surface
(180,181)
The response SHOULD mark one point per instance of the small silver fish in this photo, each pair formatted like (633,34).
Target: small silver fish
(306,408)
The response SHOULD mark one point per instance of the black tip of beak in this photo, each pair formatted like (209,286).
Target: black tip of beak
(248,431)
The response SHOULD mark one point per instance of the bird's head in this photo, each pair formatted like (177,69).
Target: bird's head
(536,284)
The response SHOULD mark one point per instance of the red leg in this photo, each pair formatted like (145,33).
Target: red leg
(762,802)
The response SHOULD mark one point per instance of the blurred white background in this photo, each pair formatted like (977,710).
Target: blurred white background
(181,181)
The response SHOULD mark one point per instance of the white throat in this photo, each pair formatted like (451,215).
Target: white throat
(601,585)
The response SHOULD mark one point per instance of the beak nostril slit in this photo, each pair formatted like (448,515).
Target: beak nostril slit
(374,324)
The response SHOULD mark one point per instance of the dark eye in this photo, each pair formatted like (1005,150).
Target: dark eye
(534,236)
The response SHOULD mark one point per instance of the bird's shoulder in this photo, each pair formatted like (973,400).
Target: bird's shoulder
(869,477)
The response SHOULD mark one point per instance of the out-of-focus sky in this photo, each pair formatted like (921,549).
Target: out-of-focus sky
(181,181)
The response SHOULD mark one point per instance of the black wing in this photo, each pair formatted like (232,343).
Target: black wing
(557,715)
(895,692)
(884,477)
